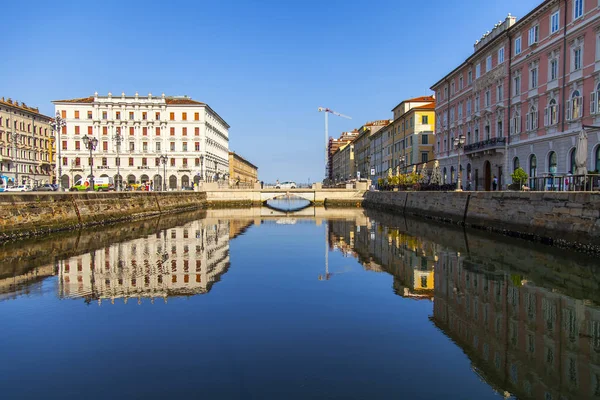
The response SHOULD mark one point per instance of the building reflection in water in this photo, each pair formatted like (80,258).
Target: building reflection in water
(180,261)
(378,248)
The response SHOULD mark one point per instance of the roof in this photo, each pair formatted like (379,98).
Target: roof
(178,101)
(430,106)
(86,100)
(22,106)
(235,155)
(422,99)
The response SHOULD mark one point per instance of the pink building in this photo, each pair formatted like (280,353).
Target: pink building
(523,97)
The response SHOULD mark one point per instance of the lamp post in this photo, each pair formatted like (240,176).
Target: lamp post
(90,143)
(459,142)
(118,138)
(202,167)
(163,161)
(402,160)
(57,126)
(15,138)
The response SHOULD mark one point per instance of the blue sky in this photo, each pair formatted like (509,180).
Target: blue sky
(264,66)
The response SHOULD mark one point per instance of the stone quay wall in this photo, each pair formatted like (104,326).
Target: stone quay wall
(563,219)
(34,214)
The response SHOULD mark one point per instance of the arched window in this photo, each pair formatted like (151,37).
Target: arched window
(572,164)
(469,137)
(445,175)
(469,171)
(452,174)
(516,164)
(515,121)
(598,158)
(551,113)
(532,166)
(552,162)
(532,119)
(574,106)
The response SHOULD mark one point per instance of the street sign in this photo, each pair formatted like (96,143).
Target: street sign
(358,175)
(372,171)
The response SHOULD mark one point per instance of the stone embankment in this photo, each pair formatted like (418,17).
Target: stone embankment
(570,220)
(34,214)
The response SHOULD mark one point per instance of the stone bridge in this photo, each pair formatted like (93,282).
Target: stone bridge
(259,196)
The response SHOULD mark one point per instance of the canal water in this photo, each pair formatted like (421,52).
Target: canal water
(330,304)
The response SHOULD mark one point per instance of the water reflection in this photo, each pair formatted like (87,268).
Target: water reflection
(288,203)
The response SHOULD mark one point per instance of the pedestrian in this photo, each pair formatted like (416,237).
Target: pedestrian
(495,183)
(262,184)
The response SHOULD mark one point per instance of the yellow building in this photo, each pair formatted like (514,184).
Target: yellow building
(412,134)
(241,169)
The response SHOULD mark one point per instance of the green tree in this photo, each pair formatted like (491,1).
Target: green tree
(519,176)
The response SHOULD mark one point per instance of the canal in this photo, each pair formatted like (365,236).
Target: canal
(322,304)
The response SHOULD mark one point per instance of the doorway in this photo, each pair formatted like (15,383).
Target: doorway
(487,176)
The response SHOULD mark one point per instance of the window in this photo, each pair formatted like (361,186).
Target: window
(551,113)
(197,146)
(553,75)
(76,114)
(172,131)
(145,131)
(118,161)
(425,139)
(157,116)
(573,164)
(516,164)
(532,167)
(131,131)
(104,146)
(63,114)
(575,106)
(104,114)
(89,115)
(184,146)
(77,145)
(452,88)
(488,63)
(598,158)
(118,115)
(554,22)
(156,162)
(500,93)
(184,116)
(517,46)
(157,147)
(104,161)
(196,131)
(172,146)
(487,99)
(144,116)
(470,77)
(131,146)
(144,161)
(145,147)
(184,131)
(65,161)
(477,71)
(594,97)
(468,107)
(532,122)
(77,129)
(157,131)
(64,144)
(577,9)
(184,162)
(533,34)
(552,162)
(105,130)
(172,162)
(172,116)
(196,116)
(460,83)
(424,157)
(131,161)
(77,161)
(576,59)
(477,103)
(533,78)
(501,55)
(517,85)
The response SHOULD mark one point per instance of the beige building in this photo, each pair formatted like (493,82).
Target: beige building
(241,169)
(344,168)
(26,160)
(362,147)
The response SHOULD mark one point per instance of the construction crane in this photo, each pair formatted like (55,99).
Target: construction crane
(329,111)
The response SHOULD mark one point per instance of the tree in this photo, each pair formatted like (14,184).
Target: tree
(519,176)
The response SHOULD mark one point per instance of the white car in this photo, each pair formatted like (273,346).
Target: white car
(20,188)
(286,185)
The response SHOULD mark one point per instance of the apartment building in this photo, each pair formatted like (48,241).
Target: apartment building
(363,151)
(241,170)
(26,139)
(521,99)
(344,168)
(191,135)
(332,147)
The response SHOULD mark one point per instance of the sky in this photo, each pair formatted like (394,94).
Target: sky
(263,66)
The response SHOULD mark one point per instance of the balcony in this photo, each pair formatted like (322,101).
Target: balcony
(489,146)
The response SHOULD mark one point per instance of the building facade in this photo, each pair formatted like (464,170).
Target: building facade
(523,97)
(26,138)
(363,151)
(241,170)
(333,146)
(344,169)
(193,137)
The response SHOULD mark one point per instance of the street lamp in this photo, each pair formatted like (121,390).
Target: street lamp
(459,143)
(202,167)
(163,160)
(118,138)
(15,138)
(57,126)
(90,143)
(402,161)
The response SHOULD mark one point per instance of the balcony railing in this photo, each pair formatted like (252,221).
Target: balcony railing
(485,145)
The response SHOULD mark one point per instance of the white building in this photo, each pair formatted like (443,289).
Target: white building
(194,138)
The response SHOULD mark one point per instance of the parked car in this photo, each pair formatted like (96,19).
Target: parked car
(286,185)
(20,188)
(44,188)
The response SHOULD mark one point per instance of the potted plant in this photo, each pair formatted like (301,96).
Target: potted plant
(519,177)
